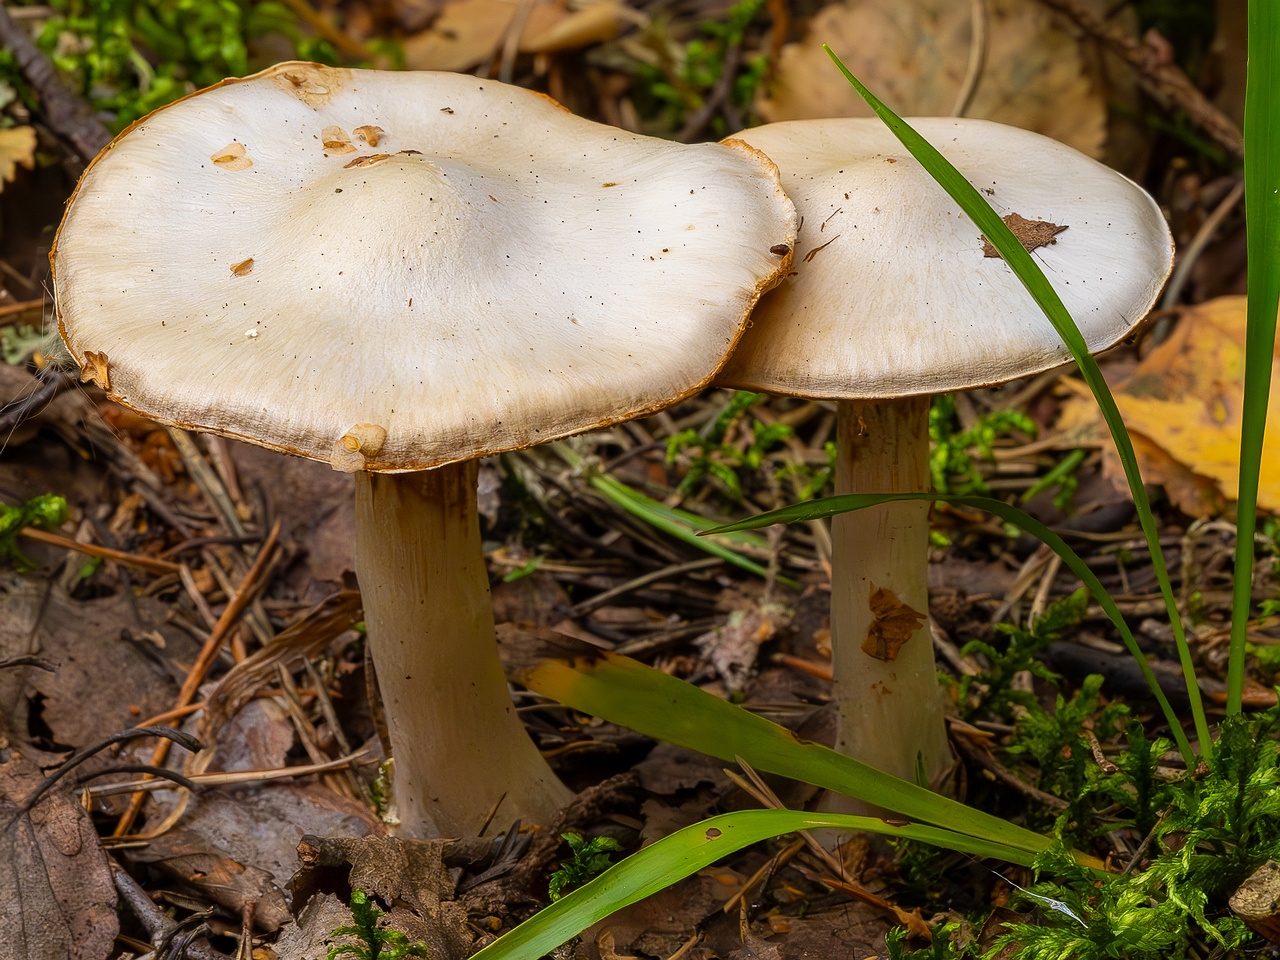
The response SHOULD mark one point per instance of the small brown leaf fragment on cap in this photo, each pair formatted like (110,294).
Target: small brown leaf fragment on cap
(243,268)
(369,134)
(780,249)
(1030,233)
(306,85)
(337,140)
(231,157)
(366,161)
(894,624)
(96,369)
(361,443)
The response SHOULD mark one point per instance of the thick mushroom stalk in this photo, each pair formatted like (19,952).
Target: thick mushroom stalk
(394,271)
(886,689)
(459,745)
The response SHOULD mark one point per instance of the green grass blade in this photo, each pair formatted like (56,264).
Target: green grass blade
(1028,271)
(830,506)
(1262,213)
(626,692)
(679,524)
(684,852)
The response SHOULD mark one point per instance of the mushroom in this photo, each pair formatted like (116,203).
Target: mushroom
(399,273)
(894,299)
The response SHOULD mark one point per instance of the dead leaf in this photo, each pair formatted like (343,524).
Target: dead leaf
(914,54)
(17,147)
(100,675)
(594,23)
(1257,901)
(229,883)
(469,32)
(243,268)
(1030,233)
(336,140)
(96,369)
(732,649)
(409,877)
(235,844)
(895,623)
(231,157)
(1184,400)
(55,885)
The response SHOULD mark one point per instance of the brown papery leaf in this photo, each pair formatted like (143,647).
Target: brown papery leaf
(54,879)
(894,625)
(469,32)
(1030,233)
(914,54)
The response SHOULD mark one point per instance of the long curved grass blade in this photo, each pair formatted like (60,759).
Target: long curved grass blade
(1262,227)
(684,852)
(679,524)
(830,506)
(1028,271)
(628,693)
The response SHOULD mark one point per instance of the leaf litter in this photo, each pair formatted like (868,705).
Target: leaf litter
(289,686)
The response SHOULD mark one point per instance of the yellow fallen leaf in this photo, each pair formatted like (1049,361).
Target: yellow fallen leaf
(1185,399)
(914,54)
(17,146)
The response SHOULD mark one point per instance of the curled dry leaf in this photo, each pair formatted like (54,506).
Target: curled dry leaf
(914,54)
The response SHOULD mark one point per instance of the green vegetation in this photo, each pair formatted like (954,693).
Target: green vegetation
(47,510)
(589,858)
(377,944)
(1206,831)
(992,692)
(128,57)
(710,456)
(951,462)
(676,79)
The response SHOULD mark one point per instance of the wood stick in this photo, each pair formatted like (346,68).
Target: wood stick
(235,607)
(106,553)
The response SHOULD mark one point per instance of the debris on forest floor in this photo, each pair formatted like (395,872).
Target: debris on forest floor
(258,843)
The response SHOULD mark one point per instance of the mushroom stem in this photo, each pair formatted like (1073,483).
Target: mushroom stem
(457,740)
(890,710)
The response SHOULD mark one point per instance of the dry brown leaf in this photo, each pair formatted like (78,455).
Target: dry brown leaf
(17,147)
(55,884)
(732,648)
(468,32)
(914,55)
(894,625)
(594,23)
(1184,399)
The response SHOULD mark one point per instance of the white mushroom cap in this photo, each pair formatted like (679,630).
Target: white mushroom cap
(892,295)
(392,271)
